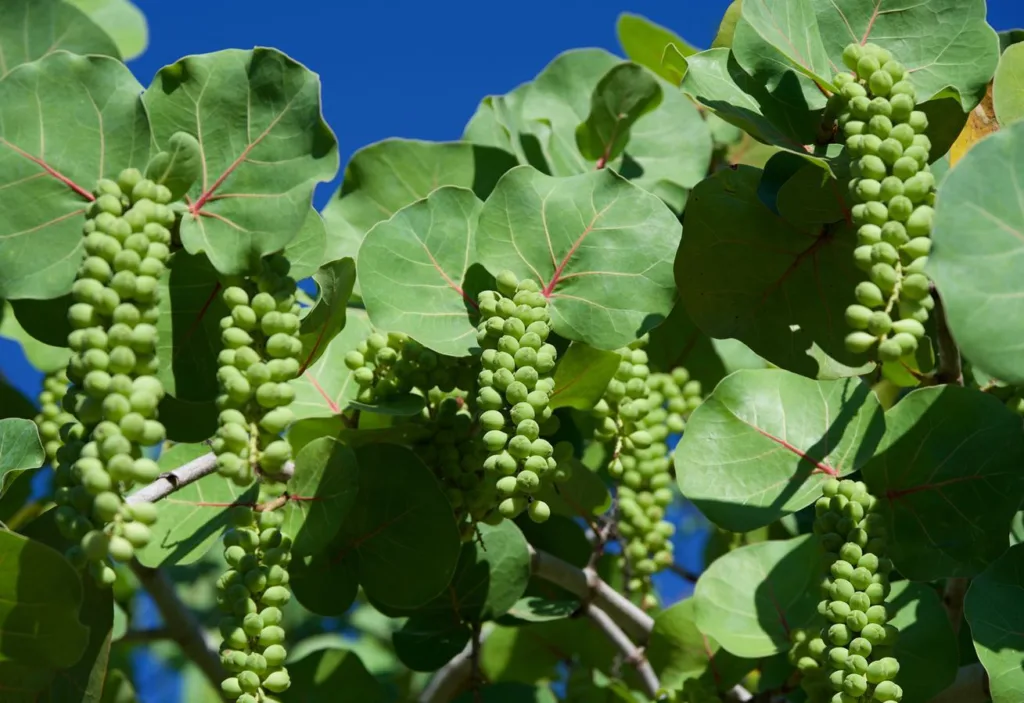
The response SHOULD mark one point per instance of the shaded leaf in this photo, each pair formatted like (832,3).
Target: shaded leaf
(777,286)
(508,693)
(326,583)
(327,317)
(622,96)
(992,609)
(760,446)
(47,171)
(947,476)
(260,168)
(41,355)
(413,271)
(584,494)
(582,375)
(321,492)
(926,648)
(978,239)
(20,450)
(599,247)
(191,520)
(428,641)
(749,599)
(334,674)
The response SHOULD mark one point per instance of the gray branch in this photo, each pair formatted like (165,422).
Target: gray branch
(185,474)
(450,678)
(633,655)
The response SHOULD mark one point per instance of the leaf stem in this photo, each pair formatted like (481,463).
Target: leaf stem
(950,369)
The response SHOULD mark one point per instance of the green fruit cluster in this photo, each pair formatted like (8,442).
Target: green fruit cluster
(251,595)
(387,366)
(857,646)
(894,191)
(453,451)
(114,393)
(674,396)
(514,394)
(51,415)
(632,419)
(807,655)
(261,355)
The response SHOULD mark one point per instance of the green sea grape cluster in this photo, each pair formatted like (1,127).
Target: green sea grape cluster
(854,652)
(261,355)
(514,394)
(250,596)
(894,191)
(388,365)
(52,416)
(114,392)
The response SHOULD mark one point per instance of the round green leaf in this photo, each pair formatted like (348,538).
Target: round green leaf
(259,168)
(599,247)
(32,29)
(20,450)
(328,314)
(992,609)
(582,375)
(941,42)
(413,268)
(428,641)
(320,494)
(926,648)
(67,121)
(308,251)
(1008,86)
(764,441)
(333,674)
(978,250)
(745,272)
(192,519)
(401,529)
(583,495)
(623,95)
(383,178)
(327,388)
(122,20)
(40,596)
(325,583)
(789,27)
(947,473)
(177,167)
(749,599)
(679,651)
(645,42)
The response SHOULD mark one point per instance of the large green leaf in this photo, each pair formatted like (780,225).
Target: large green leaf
(926,648)
(48,166)
(382,178)
(327,388)
(679,651)
(669,148)
(413,271)
(582,375)
(942,42)
(191,520)
(583,495)
(992,608)
(498,122)
(122,20)
(41,355)
(645,42)
(745,272)
(20,450)
(320,494)
(715,80)
(947,474)
(599,247)
(401,534)
(333,674)
(40,596)
(979,252)
(32,29)
(764,441)
(791,28)
(622,96)
(749,599)
(326,584)
(328,315)
(308,251)
(1008,86)
(427,641)
(260,165)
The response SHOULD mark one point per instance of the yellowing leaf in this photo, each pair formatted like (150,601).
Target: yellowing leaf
(980,123)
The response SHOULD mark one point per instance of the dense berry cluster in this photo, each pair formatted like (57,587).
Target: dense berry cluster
(857,647)
(674,397)
(251,594)
(261,354)
(114,392)
(51,415)
(894,190)
(634,419)
(453,451)
(387,366)
(514,393)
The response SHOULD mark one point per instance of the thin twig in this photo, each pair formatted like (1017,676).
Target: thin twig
(681,570)
(185,474)
(475,677)
(970,686)
(449,680)
(950,369)
(181,623)
(953,599)
(633,655)
(589,587)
